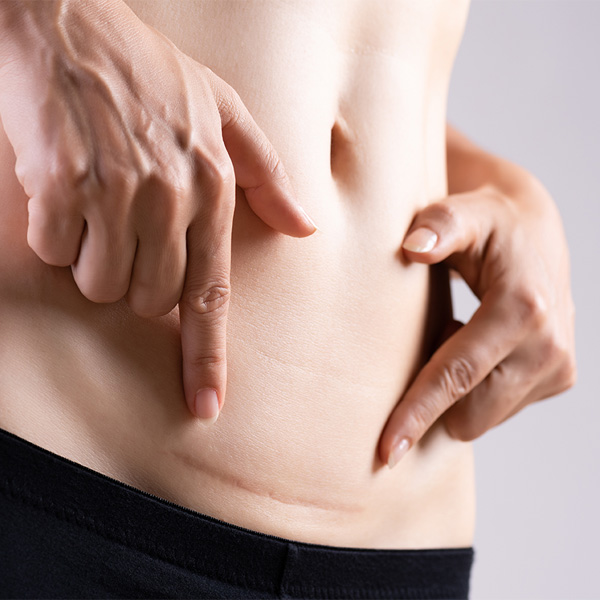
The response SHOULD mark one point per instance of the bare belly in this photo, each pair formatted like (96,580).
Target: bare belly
(324,333)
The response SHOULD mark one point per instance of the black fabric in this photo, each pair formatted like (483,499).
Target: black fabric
(67,531)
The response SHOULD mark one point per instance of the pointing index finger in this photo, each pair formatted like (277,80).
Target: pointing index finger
(458,365)
(205,301)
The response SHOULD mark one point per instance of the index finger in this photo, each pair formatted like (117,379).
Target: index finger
(205,300)
(458,365)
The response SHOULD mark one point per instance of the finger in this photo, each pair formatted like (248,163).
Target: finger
(558,379)
(499,395)
(258,169)
(450,329)
(159,266)
(54,232)
(461,362)
(204,304)
(158,275)
(541,367)
(102,270)
(457,224)
(534,395)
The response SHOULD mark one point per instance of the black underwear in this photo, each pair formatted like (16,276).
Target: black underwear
(67,531)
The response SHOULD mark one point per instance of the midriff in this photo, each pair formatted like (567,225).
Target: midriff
(324,333)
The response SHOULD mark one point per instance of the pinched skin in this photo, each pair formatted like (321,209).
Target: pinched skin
(324,333)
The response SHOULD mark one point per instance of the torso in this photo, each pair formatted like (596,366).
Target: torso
(324,333)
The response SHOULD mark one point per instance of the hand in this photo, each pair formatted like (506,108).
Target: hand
(519,345)
(130,152)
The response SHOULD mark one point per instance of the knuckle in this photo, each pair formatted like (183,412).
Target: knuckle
(445,213)
(464,421)
(204,70)
(98,287)
(215,359)
(75,178)
(78,175)
(121,183)
(228,102)
(40,244)
(493,194)
(49,249)
(50,235)
(211,84)
(273,163)
(215,173)
(457,378)
(567,374)
(162,201)
(101,293)
(532,307)
(467,434)
(39,211)
(209,300)
(463,429)
(558,350)
(548,350)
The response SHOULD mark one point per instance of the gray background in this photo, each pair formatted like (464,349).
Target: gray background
(526,85)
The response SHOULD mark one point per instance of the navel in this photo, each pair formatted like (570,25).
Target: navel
(342,152)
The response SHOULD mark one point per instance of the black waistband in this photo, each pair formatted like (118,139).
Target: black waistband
(196,543)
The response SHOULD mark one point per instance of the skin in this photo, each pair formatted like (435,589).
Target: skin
(488,203)
(500,229)
(111,152)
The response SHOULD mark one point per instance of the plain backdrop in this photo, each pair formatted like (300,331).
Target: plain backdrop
(526,86)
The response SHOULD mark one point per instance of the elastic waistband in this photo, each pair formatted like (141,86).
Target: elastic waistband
(204,545)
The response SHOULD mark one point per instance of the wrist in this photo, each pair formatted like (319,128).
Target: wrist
(24,25)
(475,168)
(470,167)
(513,180)
(32,31)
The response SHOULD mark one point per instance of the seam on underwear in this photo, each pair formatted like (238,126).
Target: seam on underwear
(125,537)
(281,587)
(434,592)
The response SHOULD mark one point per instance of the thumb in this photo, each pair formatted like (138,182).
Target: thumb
(258,168)
(458,224)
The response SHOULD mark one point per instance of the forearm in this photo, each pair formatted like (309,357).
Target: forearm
(470,167)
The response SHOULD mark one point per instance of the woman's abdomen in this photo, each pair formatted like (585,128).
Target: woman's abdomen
(324,333)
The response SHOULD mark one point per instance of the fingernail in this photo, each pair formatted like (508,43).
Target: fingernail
(307,218)
(420,240)
(206,405)
(399,449)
